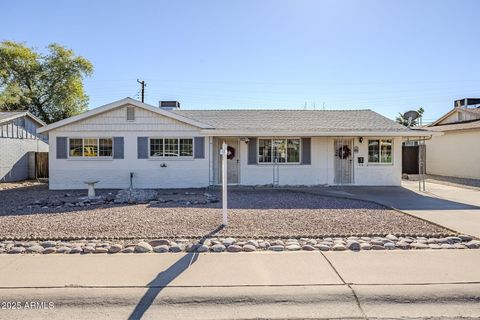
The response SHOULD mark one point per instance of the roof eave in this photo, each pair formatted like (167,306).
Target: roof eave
(23,114)
(316,133)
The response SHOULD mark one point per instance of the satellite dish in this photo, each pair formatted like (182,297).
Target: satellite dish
(410,116)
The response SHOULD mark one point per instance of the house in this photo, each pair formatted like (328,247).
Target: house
(19,139)
(456,153)
(168,147)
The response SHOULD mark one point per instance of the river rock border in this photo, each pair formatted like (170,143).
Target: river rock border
(389,242)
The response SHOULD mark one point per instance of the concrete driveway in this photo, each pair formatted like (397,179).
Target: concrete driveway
(450,206)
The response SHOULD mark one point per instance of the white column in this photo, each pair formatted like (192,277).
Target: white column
(224,183)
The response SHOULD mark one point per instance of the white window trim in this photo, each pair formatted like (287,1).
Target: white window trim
(179,157)
(279,163)
(379,155)
(69,157)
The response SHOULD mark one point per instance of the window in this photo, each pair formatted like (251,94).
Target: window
(130,113)
(279,150)
(76,148)
(156,147)
(90,147)
(171,147)
(186,147)
(105,147)
(380,151)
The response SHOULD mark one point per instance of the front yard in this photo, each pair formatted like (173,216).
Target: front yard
(253,213)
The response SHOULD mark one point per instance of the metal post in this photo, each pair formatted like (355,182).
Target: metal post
(224,183)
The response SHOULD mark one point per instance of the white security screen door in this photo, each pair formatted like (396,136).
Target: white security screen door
(233,163)
(343,162)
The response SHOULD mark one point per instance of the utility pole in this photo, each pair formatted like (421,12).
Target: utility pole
(143,84)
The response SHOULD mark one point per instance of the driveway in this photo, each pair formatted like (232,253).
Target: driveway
(450,206)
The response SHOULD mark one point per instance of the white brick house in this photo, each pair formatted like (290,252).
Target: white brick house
(173,148)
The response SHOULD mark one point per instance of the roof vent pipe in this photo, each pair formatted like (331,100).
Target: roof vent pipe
(169,105)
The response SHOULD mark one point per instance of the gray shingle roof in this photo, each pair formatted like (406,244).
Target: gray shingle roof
(295,120)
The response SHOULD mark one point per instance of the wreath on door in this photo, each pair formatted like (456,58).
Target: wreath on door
(344,152)
(230,153)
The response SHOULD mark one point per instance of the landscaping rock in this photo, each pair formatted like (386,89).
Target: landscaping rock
(339,247)
(465,237)
(16,250)
(322,247)
(115,248)
(35,249)
(88,249)
(228,241)
(177,247)
(50,250)
(416,245)
(161,248)
(276,247)
(159,242)
(473,244)
(403,245)
(128,250)
(377,247)
(391,237)
(434,246)
(253,243)
(293,247)
(234,248)
(218,248)
(249,248)
(365,246)
(47,244)
(389,245)
(453,239)
(143,247)
(308,247)
(353,245)
(76,250)
(64,250)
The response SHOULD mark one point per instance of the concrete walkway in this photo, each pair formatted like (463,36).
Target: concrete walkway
(450,206)
(265,285)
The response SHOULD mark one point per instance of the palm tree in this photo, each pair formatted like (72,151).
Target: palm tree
(400,119)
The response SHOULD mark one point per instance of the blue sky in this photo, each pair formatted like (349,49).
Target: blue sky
(389,56)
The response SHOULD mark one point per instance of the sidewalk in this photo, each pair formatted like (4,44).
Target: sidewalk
(352,285)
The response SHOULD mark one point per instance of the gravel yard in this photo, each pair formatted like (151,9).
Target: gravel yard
(254,213)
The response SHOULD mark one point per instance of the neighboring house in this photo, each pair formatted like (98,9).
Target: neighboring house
(19,139)
(165,147)
(456,153)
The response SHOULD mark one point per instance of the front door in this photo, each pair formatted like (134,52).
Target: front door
(233,161)
(343,163)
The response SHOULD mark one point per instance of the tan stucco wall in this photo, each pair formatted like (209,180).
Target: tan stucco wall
(455,154)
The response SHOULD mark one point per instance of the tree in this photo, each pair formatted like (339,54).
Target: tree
(400,119)
(48,85)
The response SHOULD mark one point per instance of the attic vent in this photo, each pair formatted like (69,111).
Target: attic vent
(130,114)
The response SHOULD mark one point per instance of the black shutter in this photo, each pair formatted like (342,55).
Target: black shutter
(199,147)
(142,147)
(118,147)
(306,150)
(62,152)
(252,151)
